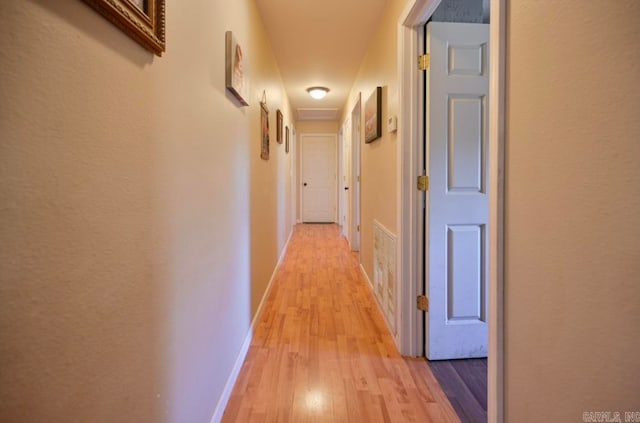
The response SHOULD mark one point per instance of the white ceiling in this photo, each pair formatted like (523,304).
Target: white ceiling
(319,42)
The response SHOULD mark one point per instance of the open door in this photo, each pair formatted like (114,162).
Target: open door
(456,253)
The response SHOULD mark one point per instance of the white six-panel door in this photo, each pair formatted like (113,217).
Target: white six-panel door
(456,269)
(319,165)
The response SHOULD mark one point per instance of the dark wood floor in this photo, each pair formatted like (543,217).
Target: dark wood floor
(465,384)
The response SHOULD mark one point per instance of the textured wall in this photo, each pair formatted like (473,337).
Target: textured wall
(378,159)
(572,277)
(317,127)
(138,226)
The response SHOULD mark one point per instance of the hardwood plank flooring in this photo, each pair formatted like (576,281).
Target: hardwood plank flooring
(322,352)
(465,383)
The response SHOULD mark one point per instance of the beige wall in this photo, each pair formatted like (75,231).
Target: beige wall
(139,227)
(572,276)
(310,127)
(317,127)
(378,169)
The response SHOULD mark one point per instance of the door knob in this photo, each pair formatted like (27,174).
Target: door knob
(346,188)
(305,184)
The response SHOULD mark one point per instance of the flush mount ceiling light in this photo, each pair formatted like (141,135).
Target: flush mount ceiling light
(318,92)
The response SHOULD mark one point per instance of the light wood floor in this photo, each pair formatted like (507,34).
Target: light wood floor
(322,352)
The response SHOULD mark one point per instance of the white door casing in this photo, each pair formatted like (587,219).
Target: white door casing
(346,182)
(340,167)
(410,336)
(456,271)
(354,238)
(294,178)
(319,168)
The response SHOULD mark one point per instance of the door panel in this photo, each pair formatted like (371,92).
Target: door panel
(319,163)
(465,274)
(457,209)
(465,152)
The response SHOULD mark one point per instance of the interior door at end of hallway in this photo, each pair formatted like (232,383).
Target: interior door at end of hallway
(319,193)
(457,91)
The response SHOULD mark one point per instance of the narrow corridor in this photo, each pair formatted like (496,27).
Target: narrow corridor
(322,351)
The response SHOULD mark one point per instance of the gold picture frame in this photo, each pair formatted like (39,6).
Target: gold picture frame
(142,20)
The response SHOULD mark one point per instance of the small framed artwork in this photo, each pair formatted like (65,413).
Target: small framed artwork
(264,131)
(286,139)
(373,116)
(142,20)
(235,78)
(279,118)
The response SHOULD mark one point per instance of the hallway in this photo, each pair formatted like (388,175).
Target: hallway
(322,352)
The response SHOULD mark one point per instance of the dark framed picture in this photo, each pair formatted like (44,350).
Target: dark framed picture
(373,116)
(286,139)
(142,20)
(279,118)
(235,78)
(264,131)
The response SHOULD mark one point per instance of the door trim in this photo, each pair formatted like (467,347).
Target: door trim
(334,136)
(410,331)
(346,180)
(340,182)
(293,150)
(354,234)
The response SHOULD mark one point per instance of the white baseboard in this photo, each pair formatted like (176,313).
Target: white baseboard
(366,277)
(233,377)
(384,316)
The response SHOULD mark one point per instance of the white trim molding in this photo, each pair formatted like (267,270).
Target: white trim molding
(410,329)
(497,91)
(242,355)
(378,303)
(334,136)
(417,12)
(410,250)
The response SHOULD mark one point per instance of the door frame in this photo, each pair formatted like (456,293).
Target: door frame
(346,177)
(340,183)
(293,150)
(410,135)
(334,136)
(356,135)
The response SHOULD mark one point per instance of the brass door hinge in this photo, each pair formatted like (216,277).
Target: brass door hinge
(423,183)
(358,228)
(423,303)
(423,62)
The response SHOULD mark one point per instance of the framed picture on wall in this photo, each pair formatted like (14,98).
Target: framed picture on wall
(286,139)
(142,20)
(373,116)
(264,131)
(235,78)
(279,137)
